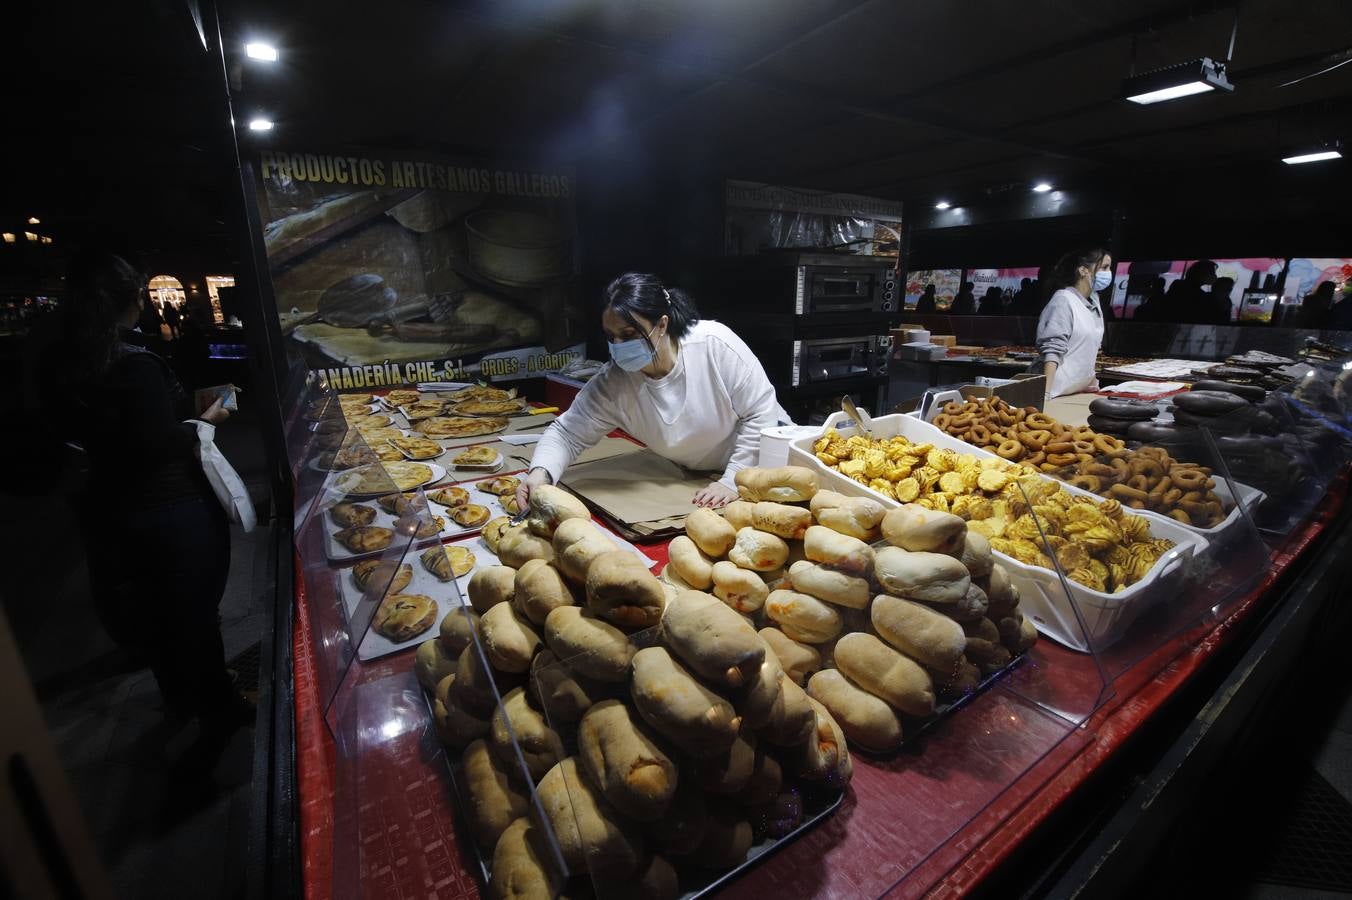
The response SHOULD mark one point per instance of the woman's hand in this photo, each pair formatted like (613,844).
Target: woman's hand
(715,496)
(536,476)
(216,413)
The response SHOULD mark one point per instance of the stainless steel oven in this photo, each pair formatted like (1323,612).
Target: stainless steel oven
(832,359)
(784,283)
(832,285)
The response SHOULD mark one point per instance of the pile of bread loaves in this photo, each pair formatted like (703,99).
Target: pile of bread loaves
(658,727)
(877,634)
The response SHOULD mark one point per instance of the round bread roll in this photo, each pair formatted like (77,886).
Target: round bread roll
(678,707)
(455,728)
(799,660)
(959,681)
(681,827)
(729,772)
(1017,632)
(508,640)
(767,777)
(621,590)
(976,554)
(758,551)
(495,801)
(516,548)
(710,532)
(859,517)
(727,838)
(457,630)
(563,694)
(590,836)
(738,514)
(550,506)
(688,560)
(803,617)
(825,757)
(711,639)
(632,770)
(984,648)
(912,527)
(579,555)
(1001,593)
(790,722)
(755,702)
(933,577)
(570,531)
(840,551)
(864,718)
(971,607)
(472,689)
(788,522)
(928,637)
(539,744)
(782,484)
(840,588)
(739,588)
(489,586)
(587,645)
(899,681)
(523,867)
(432,662)
(538,590)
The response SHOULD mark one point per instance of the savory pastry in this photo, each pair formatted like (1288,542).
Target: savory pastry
(488,407)
(510,504)
(401,397)
(370,572)
(495,800)
(459,426)
(503,486)
(483,455)
(783,484)
(625,761)
(423,526)
(348,514)
(376,436)
(470,515)
(519,726)
(713,534)
(424,409)
(492,532)
(550,506)
(591,836)
(355,399)
(509,641)
(353,455)
(362,422)
(448,562)
(401,617)
(449,496)
(365,538)
(891,676)
(417,448)
(864,718)
(481,392)
(621,590)
(401,504)
(402,476)
(678,706)
(709,637)
(386,453)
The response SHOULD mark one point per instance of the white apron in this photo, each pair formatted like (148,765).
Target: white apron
(1076,371)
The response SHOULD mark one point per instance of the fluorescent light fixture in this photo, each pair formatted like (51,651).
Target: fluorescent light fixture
(260,50)
(260,124)
(33,220)
(1183,80)
(942,204)
(1311,157)
(28,235)
(9,237)
(1041,187)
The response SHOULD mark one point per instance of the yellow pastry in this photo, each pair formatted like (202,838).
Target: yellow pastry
(470,515)
(448,562)
(365,538)
(501,486)
(402,617)
(400,504)
(449,496)
(416,447)
(460,426)
(482,455)
(401,397)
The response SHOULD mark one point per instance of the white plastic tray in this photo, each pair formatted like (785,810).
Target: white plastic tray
(338,553)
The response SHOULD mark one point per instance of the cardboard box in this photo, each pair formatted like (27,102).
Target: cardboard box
(944,340)
(1024,389)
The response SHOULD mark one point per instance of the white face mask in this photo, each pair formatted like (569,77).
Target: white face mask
(1102,278)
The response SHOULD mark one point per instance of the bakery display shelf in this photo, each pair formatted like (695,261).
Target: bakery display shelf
(450,530)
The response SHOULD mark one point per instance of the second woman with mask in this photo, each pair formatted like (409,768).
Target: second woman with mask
(1070,329)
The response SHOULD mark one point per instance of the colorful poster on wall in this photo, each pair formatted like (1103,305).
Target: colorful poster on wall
(760,217)
(1008,281)
(946,284)
(390,269)
(1137,281)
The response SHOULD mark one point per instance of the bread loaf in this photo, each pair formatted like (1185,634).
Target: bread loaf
(934,577)
(926,636)
(539,744)
(864,718)
(1000,593)
(681,827)
(626,761)
(729,772)
(563,694)
(984,648)
(689,562)
(831,585)
(495,800)
(432,662)
(727,837)
(741,589)
(912,527)
(825,757)
(515,548)
(509,641)
(489,586)
(590,835)
(755,701)
(576,559)
(887,674)
(976,554)
(803,617)
(550,506)
(1017,632)
(522,865)
(758,551)
(538,590)
(679,708)
(457,630)
(621,590)
(455,727)
(738,514)
(710,532)
(783,484)
(715,642)
(472,689)
(840,551)
(971,607)
(788,522)
(587,645)
(767,777)
(654,880)
(859,517)
(790,721)
(799,660)
(957,681)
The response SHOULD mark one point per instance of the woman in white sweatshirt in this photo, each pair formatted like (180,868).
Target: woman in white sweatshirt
(1070,329)
(689,388)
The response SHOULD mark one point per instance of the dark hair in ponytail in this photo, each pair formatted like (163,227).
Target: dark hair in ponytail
(1067,271)
(101,287)
(635,294)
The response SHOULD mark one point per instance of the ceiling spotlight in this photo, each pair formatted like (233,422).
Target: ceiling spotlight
(28,235)
(1041,187)
(1172,82)
(260,50)
(942,204)
(33,220)
(260,124)
(1332,151)
(9,237)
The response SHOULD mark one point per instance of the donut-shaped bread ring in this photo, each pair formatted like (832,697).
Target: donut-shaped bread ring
(971,406)
(1036,439)
(1010,449)
(1191,496)
(1104,443)
(1020,414)
(1099,470)
(1059,446)
(1084,433)
(942,421)
(953,408)
(1159,488)
(1148,467)
(1087,482)
(963,422)
(1126,492)
(1036,459)
(1083,446)
(1171,497)
(1188,479)
(1006,417)
(1139,483)
(1180,516)
(979,435)
(1047,467)
(1061,459)
(1122,467)
(1040,422)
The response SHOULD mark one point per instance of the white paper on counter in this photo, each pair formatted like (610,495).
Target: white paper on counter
(519,440)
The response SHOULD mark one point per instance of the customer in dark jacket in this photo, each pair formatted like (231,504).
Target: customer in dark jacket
(158,562)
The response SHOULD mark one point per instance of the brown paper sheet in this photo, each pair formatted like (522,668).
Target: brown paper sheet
(635,488)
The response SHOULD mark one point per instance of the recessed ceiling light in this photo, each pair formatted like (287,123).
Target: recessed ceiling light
(260,124)
(9,237)
(942,204)
(1183,80)
(33,220)
(1042,187)
(260,50)
(1319,156)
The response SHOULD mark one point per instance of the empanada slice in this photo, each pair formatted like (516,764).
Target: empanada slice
(449,496)
(420,527)
(482,455)
(376,571)
(365,538)
(447,563)
(470,515)
(402,617)
(348,514)
(400,504)
(502,486)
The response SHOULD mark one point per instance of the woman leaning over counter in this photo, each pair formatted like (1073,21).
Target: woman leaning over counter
(687,387)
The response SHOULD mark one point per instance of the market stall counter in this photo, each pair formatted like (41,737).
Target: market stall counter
(933,812)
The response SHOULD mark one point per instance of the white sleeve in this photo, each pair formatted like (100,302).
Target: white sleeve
(753,399)
(584,423)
